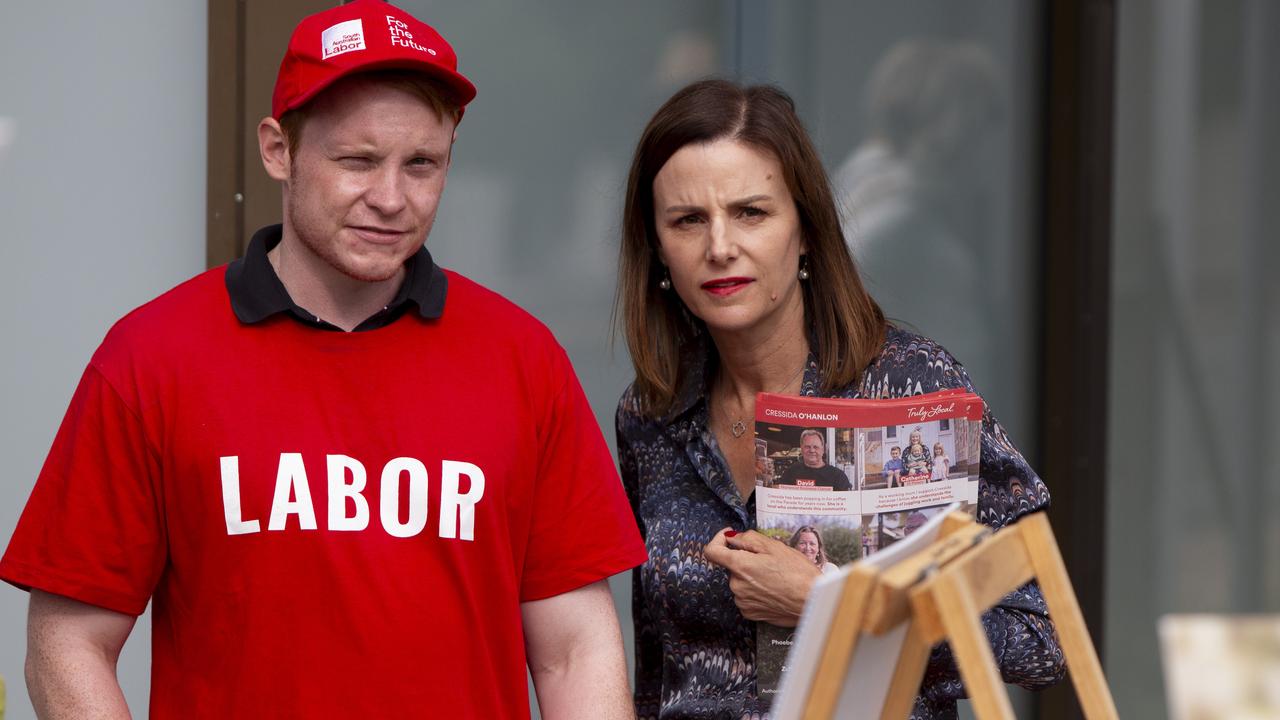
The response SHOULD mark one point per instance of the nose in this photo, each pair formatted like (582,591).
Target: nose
(386,190)
(722,245)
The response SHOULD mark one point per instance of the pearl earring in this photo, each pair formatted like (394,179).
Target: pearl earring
(665,283)
(804,269)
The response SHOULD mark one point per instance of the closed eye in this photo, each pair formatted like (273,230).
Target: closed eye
(356,162)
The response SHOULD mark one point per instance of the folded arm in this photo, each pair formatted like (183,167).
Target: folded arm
(72,650)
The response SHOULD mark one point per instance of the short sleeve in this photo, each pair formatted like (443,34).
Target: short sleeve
(582,529)
(92,528)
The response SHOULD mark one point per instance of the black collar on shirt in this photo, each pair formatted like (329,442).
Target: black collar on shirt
(256,291)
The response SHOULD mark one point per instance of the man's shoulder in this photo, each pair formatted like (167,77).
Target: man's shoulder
(170,317)
(480,322)
(835,476)
(833,471)
(486,310)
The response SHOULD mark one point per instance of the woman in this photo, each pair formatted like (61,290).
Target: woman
(916,459)
(808,541)
(734,278)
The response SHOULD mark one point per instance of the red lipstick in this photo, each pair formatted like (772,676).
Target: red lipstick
(726,286)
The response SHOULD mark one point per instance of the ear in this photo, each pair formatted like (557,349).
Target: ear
(274,148)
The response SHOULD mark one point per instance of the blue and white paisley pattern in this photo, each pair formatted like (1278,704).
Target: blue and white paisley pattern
(695,653)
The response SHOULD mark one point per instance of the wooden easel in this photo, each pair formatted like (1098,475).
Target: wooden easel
(942,592)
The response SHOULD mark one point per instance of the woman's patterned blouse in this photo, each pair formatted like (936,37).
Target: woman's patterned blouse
(695,653)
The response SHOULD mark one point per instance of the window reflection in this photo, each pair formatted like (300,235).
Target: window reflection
(916,191)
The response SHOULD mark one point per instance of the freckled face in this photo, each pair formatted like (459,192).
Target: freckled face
(729,233)
(365,184)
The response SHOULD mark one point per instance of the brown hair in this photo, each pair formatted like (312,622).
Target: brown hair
(429,90)
(842,319)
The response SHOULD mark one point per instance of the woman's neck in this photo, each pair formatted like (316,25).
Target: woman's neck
(762,359)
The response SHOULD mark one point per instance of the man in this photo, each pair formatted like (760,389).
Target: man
(813,471)
(321,527)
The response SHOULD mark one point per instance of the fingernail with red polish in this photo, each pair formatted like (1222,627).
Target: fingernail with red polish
(730,533)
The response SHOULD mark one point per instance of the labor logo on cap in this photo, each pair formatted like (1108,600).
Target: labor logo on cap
(358,37)
(342,38)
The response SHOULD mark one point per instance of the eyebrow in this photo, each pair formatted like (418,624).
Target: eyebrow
(751,200)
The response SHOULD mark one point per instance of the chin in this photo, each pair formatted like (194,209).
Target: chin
(370,267)
(729,322)
(369,273)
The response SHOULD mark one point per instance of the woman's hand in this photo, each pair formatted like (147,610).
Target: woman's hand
(769,580)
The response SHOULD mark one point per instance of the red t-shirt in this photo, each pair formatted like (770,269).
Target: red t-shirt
(329,524)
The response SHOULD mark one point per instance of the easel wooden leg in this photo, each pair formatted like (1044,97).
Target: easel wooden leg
(942,592)
(961,618)
(842,641)
(906,674)
(1064,610)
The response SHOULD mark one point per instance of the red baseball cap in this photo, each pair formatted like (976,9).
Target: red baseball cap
(357,37)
